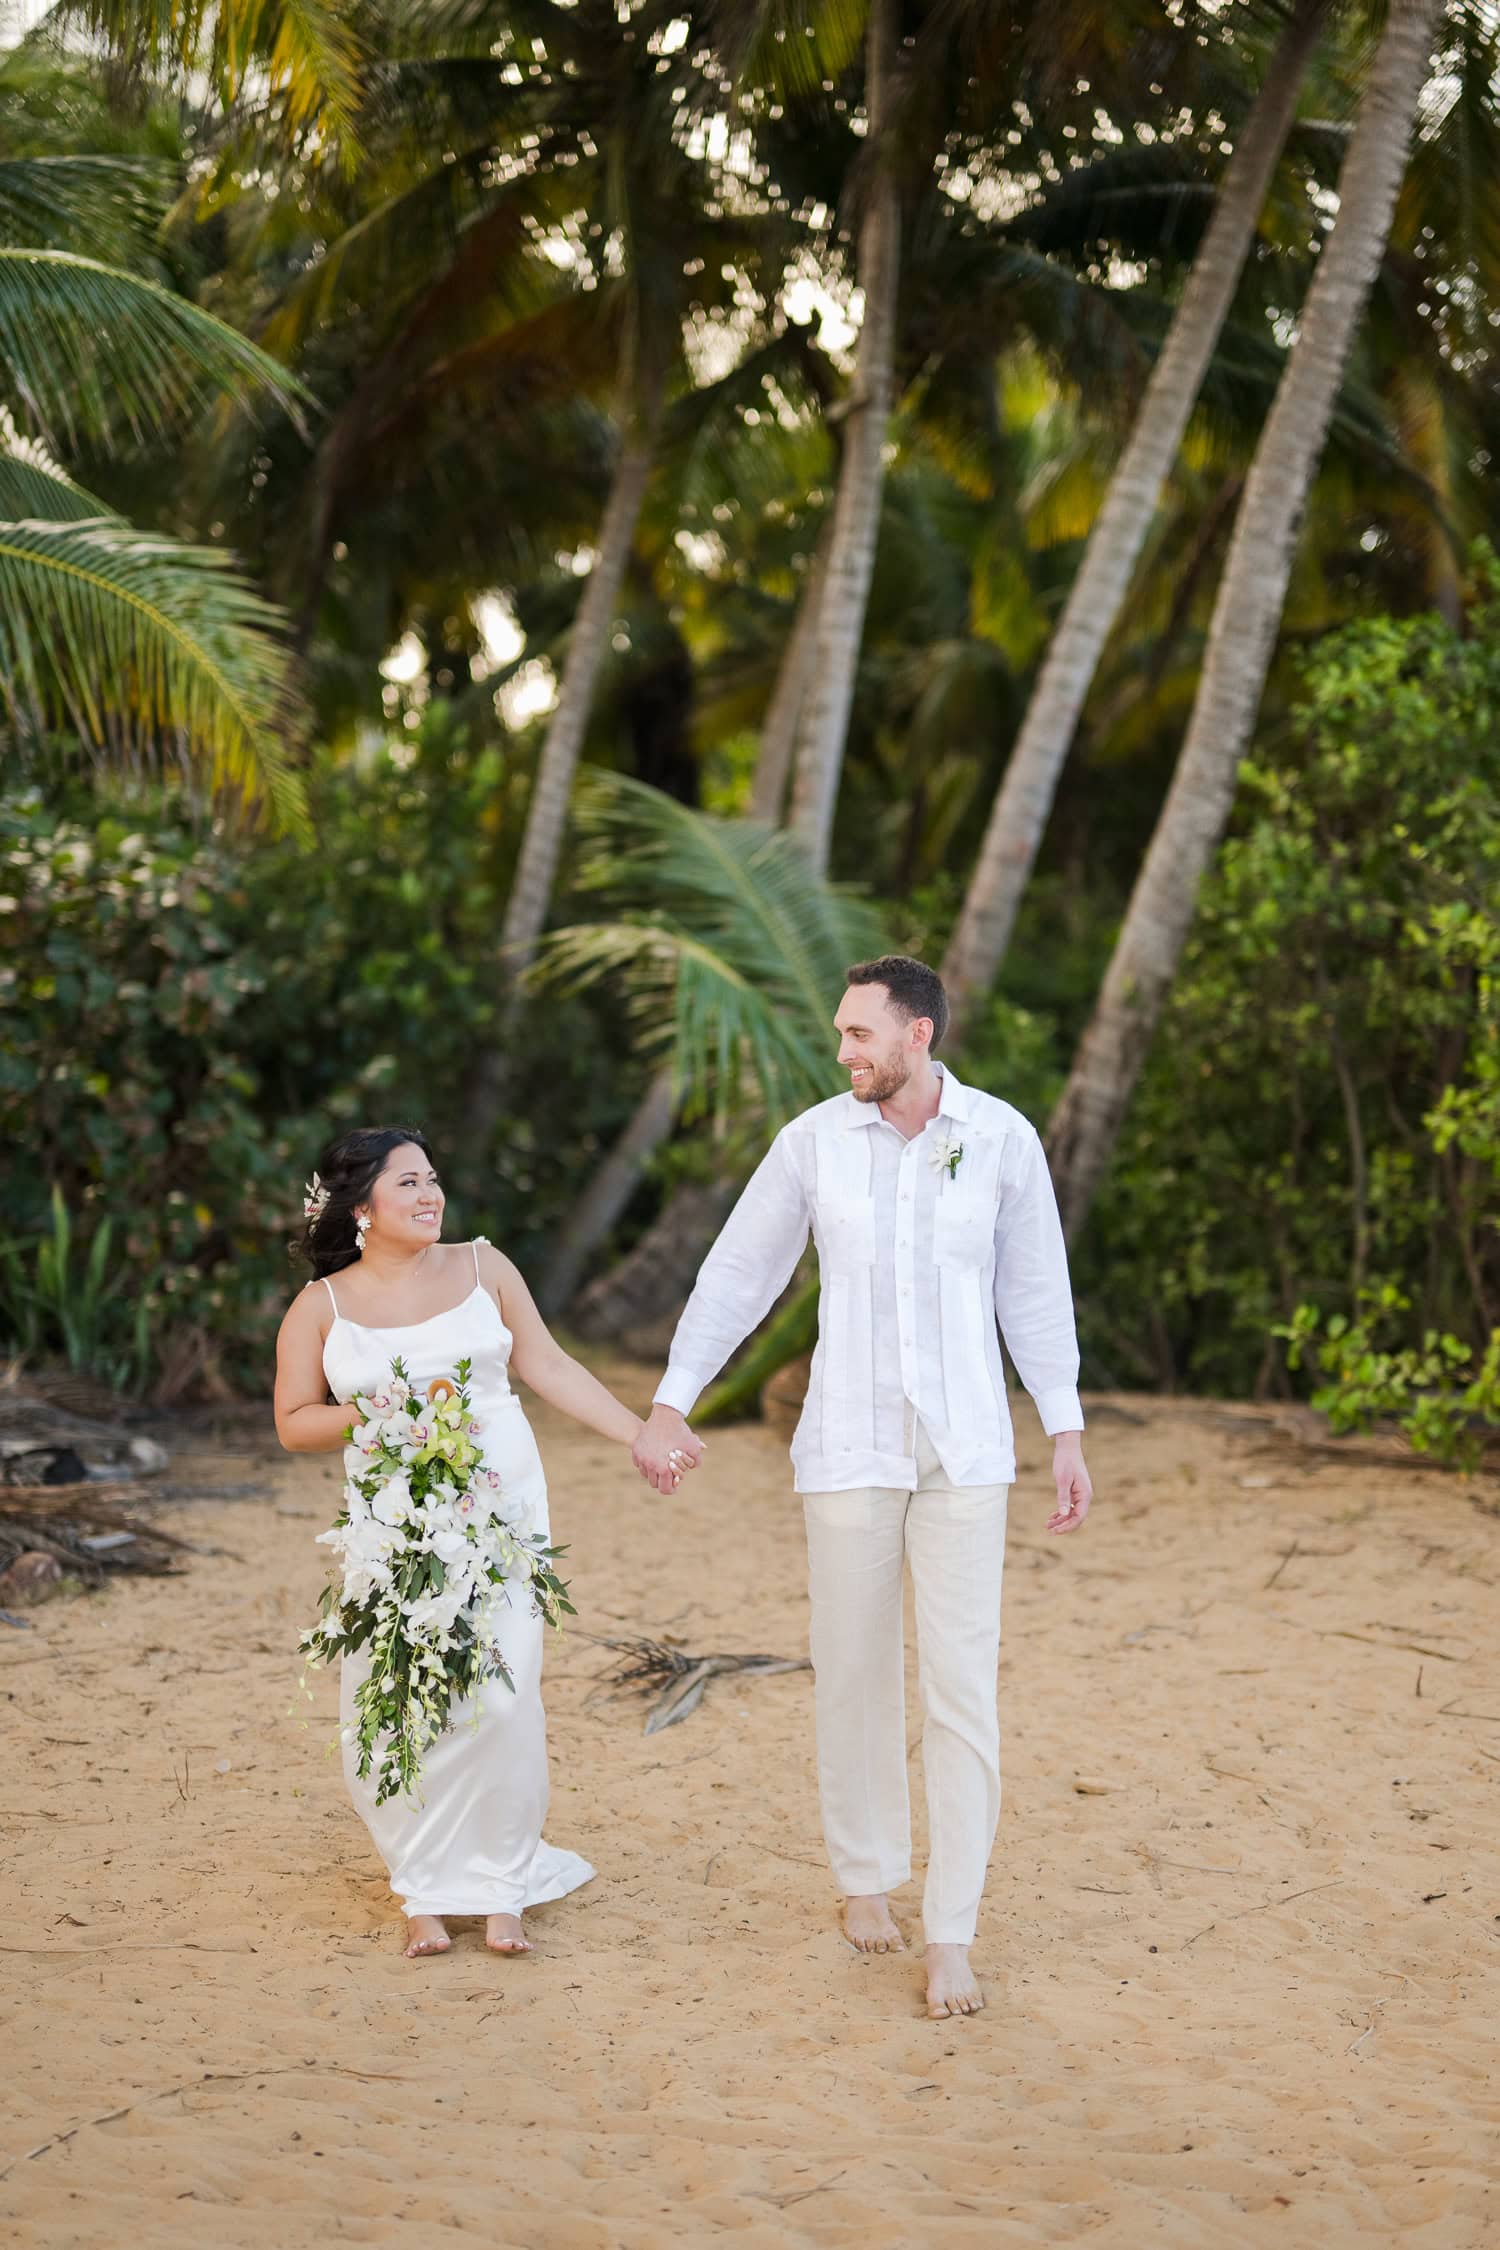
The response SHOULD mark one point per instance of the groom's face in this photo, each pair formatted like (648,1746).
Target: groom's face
(877,1046)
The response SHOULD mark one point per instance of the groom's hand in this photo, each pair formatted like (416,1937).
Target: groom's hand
(1074,1490)
(666,1449)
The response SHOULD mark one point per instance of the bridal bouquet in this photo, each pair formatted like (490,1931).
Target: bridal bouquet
(427,1557)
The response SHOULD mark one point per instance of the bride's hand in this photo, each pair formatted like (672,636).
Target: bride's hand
(665,1449)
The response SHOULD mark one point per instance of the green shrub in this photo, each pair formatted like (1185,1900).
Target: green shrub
(1321,1117)
(1439,1392)
(186,1017)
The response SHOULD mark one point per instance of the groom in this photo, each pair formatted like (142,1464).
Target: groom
(933,1213)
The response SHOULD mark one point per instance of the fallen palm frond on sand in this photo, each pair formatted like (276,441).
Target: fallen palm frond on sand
(87,1534)
(673,1677)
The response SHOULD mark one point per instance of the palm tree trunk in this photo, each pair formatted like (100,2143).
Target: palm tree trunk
(1019,814)
(778,734)
(856,510)
(640,1299)
(1243,632)
(608,1192)
(547,814)
(620,1173)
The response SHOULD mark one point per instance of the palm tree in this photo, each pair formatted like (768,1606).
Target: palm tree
(789,698)
(1019,814)
(1242,635)
(724,461)
(845,585)
(732,953)
(135,641)
(548,258)
(546,815)
(975,288)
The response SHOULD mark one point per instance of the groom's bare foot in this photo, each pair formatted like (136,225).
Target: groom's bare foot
(952,1988)
(870,1926)
(503,1934)
(425,1933)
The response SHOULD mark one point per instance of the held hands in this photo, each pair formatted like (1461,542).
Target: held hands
(1074,1490)
(665,1449)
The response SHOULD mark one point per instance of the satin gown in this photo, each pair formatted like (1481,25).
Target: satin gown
(470,1841)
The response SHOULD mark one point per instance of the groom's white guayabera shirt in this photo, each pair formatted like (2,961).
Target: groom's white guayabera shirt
(916,1265)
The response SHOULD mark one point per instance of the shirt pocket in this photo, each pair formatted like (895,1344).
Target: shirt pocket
(847,1224)
(963,1229)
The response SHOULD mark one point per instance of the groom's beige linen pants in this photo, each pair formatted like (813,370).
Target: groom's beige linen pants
(857,1544)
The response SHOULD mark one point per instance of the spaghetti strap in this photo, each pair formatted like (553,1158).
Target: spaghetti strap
(328,1285)
(474,1246)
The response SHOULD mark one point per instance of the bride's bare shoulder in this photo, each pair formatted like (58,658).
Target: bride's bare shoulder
(501,1274)
(494,1266)
(309,1312)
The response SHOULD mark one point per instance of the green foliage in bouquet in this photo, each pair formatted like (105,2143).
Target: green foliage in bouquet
(427,1558)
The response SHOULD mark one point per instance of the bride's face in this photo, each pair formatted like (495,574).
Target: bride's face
(406,1203)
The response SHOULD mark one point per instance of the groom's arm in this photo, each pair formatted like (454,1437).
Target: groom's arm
(739,1281)
(1034,1302)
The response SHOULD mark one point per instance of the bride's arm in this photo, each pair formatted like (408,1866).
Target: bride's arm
(305,1422)
(545,1367)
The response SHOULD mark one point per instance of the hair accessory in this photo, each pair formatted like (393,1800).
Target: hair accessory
(314,1198)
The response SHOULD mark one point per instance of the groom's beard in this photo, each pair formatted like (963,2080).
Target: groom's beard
(885,1081)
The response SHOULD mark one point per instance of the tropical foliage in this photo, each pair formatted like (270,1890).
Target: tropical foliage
(531,449)
(1318,1136)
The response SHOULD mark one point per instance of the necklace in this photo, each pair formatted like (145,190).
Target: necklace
(411,1273)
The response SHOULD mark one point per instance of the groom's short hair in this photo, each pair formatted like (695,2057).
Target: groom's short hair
(915,989)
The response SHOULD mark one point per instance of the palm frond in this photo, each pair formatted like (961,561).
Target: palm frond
(733,949)
(398,249)
(103,206)
(311,54)
(785,46)
(141,643)
(33,488)
(306,52)
(92,353)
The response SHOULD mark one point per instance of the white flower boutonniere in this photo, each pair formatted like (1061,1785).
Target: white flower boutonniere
(947,1155)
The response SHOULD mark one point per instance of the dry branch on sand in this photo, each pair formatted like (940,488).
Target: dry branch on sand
(673,1677)
(87,1534)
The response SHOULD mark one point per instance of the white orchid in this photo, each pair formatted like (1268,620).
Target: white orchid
(433,1614)
(414,1509)
(393,1502)
(946,1154)
(452,1548)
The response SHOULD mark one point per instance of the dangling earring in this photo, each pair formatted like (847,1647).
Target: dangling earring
(361,1229)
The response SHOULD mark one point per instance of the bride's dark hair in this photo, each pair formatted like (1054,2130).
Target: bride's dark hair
(348,1169)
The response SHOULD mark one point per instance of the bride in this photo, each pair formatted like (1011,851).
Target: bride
(471,1841)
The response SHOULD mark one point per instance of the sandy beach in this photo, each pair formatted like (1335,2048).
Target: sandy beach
(1241,1946)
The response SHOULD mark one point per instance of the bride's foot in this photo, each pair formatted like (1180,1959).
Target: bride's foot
(870,1927)
(952,1988)
(503,1934)
(425,1933)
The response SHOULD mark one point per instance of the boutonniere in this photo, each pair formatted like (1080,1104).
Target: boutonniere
(947,1155)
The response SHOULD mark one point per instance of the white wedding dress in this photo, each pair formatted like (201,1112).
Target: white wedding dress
(470,1840)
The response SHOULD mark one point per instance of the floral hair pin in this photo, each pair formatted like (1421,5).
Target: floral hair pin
(947,1155)
(314,1198)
